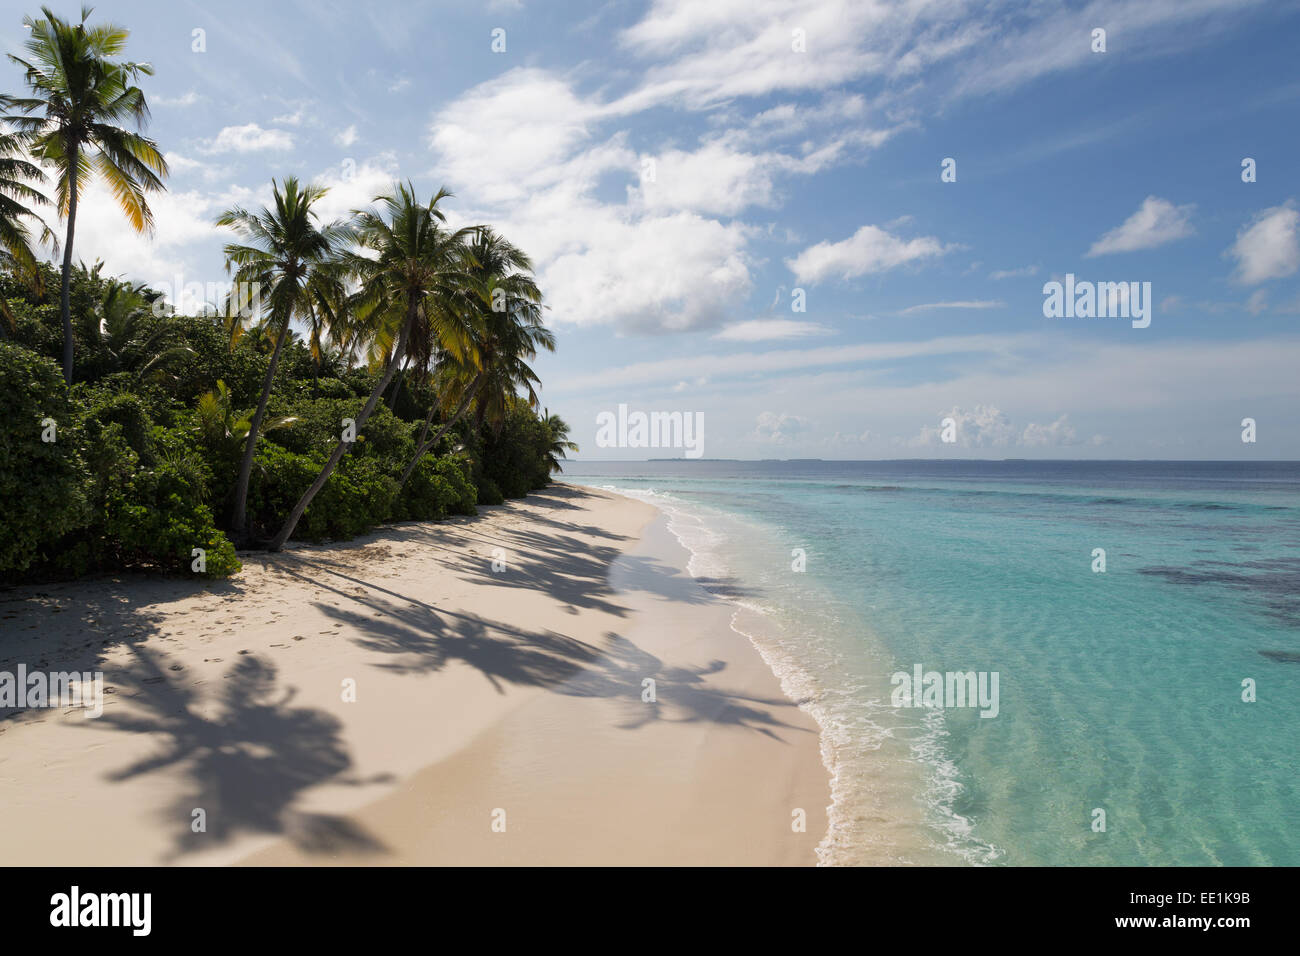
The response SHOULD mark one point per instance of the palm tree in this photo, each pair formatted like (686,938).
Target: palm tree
(17,175)
(411,284)
(119,327)
(558,429)
(73,122)
(286,252)
(16,218)
(225,429)
(508,331)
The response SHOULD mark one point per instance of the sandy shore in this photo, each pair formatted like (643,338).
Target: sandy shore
(498,714)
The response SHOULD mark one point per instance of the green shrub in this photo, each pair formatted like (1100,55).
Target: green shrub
(149,489)
(515,455)
(320,426)
(357,497)
(488,492)
(41,493)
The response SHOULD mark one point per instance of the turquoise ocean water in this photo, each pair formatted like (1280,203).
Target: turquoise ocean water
(1118,691)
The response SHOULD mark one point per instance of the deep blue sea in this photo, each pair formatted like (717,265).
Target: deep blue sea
(1119,691)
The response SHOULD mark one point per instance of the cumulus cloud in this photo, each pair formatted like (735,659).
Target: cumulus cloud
(1059,432)
(987,426)
(542,154)
(1156,222)
(249,138)
(780,428)
(1269,246)
(869,250)
(668,273)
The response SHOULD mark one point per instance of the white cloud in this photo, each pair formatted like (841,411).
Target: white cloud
(183,164)
(1023,272)
(292,119)
(185,99)
(515,134)
(706,54)
(783,360)
(869,250)
(713,179)
(1059,432)
(1269,246)
(347,137)
(1156,222)
(668,272)
(766,330)
(969,304)
(779,428)
(249,138)
(355,189)
(984,426)
(987,426)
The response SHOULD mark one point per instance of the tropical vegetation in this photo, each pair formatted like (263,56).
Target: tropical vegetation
(372,369)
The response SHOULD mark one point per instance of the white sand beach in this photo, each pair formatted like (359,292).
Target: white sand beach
(498,715)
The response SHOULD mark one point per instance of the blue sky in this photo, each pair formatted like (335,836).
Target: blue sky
(678,169)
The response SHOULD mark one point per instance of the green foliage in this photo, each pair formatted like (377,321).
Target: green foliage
(319,426)
(148,487)
(517,457)
(356,498)
(40,482)
(438,487)
(488,492)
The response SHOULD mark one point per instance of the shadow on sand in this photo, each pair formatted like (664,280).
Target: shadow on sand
(247,753)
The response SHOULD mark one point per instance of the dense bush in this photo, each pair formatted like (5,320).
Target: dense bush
(40,481)
(148,490)
(514,457)
(146,453)
(488,492)
(438,487)
(356,498)
(319,427)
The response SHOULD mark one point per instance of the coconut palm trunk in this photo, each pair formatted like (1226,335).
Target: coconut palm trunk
(341,448)
(423,447)
(65,289)
(239,514)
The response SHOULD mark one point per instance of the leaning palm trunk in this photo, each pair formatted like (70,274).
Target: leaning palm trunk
(341,448)
(424,447)
(239,514)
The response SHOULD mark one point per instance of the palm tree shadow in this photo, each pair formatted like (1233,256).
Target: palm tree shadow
(413,637)
(246,757)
